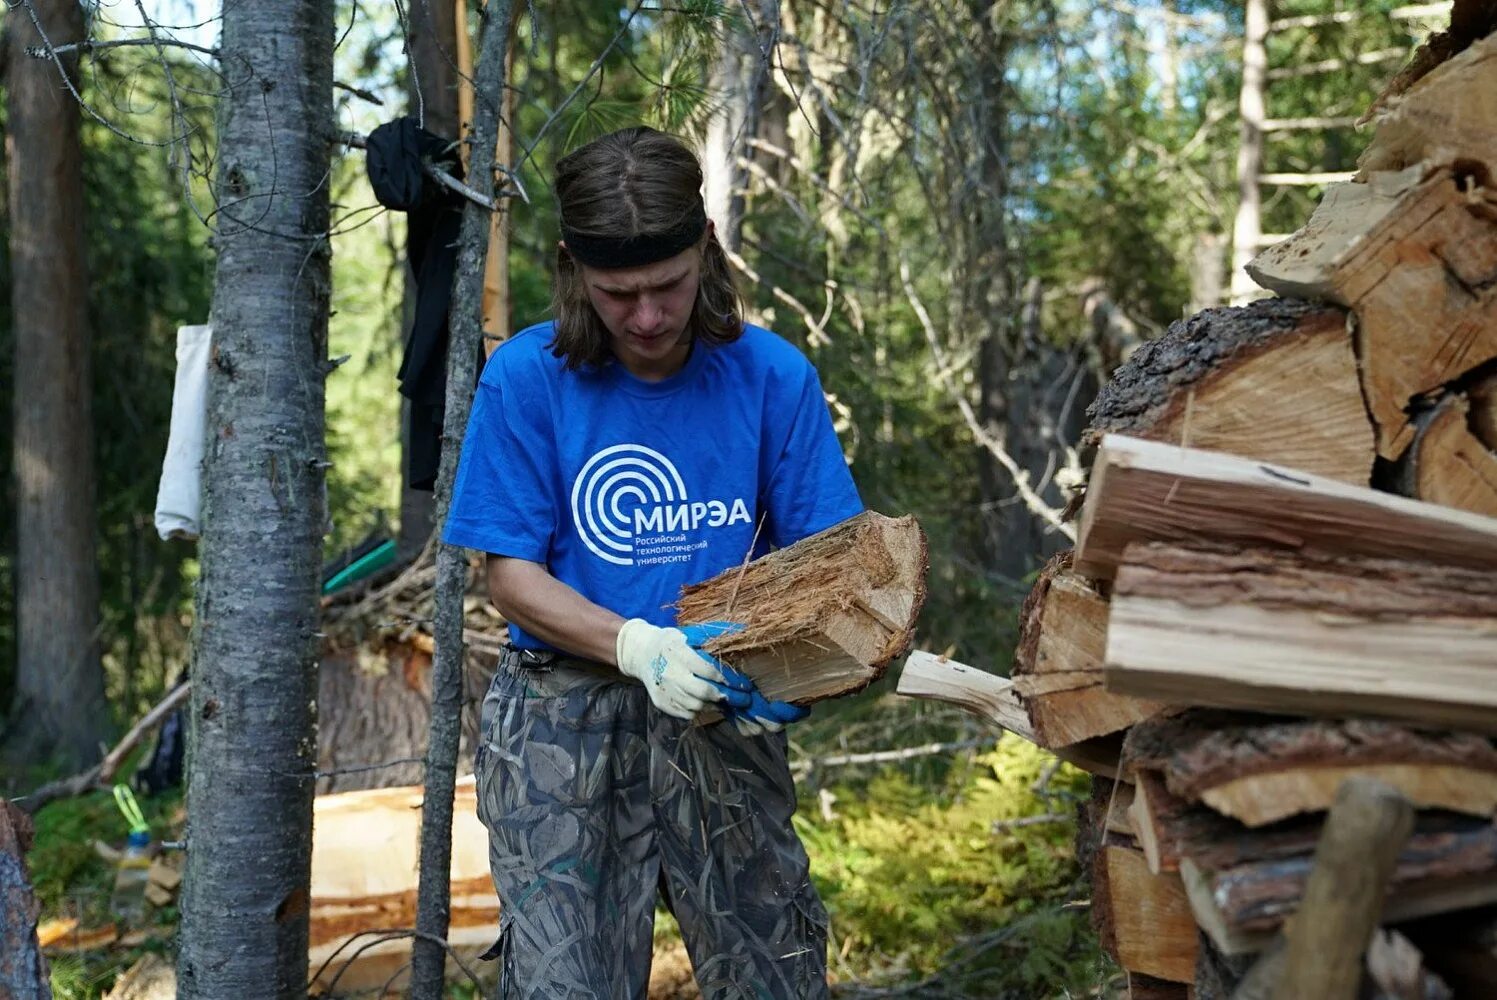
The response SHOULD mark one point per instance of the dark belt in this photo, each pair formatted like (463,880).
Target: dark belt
(550,659)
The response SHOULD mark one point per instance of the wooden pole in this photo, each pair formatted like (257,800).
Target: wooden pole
(496,305)
(1326,938)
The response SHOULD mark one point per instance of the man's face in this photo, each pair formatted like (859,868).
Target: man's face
(646,310)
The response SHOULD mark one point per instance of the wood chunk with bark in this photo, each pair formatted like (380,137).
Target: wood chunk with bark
(1306,633)
(1058,662)
(1450,114)
(1470,20)
(1447,463)
(23,969)
(1450,863)
(1422,280)
(1262,769)
(1275,380)
(1143,919)
(1148,491)
(823,617)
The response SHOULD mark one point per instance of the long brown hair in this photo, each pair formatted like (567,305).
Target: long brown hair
(633,182)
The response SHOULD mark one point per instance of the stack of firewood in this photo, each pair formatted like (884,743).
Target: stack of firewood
(1257,636)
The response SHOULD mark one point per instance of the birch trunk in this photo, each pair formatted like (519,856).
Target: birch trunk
(434,900)
(253,749)
(740,77)
(59,709)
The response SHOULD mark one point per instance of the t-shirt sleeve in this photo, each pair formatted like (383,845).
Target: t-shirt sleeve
(808,487)
(502,499)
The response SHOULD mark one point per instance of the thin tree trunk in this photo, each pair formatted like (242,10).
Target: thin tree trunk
(434,902)
(740,79)
(254,748)
(434,95)
(59,710)
(1248,226)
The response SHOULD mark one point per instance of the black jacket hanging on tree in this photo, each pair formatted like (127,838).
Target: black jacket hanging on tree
(434,215)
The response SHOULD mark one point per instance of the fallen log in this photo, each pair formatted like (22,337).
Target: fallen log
(1297,632)
(1260,770)
(823,617)
(23,969)
(926,675)
(1058,662)
(1447,463)
(1275,381)
(1420,280)
(1143,919)
(1147,491)
(365,849)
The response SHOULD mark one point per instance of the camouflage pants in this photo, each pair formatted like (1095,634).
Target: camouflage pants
(593,798)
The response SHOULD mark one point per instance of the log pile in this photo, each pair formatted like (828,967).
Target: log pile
(1281,611)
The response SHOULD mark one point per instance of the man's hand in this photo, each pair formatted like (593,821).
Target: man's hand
(759,715)
(680,679)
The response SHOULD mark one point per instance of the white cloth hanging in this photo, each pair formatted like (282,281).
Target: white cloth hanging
(180,493)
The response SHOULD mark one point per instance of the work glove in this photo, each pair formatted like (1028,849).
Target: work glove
(760,715)
(681,680)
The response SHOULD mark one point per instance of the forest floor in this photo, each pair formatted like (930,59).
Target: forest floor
(927,897)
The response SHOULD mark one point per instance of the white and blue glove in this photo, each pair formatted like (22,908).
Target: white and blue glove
(744,706)
(680,679)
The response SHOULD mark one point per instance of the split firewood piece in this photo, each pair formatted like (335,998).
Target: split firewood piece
(1449,114)
(823,617)
(1058,663)
(1421,282)
(1450,863)
(23,969)
(1306,633)
(939,678)
(1470,20)
(1148,491)
(1143,919)
(1275,380)
(1447,463)
(1261,769)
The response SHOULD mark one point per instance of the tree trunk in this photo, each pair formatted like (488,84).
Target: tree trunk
(434,96)
(59,709)
(1248,227)
(23,967)
(253,748)
(434,903)
(740,78)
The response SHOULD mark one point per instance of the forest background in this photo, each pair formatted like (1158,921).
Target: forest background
(965,212)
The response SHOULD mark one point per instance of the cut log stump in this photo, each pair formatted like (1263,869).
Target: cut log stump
(1275,380)
(823,617)
(1058,662)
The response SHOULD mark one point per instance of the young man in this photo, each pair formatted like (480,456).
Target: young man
(646,439)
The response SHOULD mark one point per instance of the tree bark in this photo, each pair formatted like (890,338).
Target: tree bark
(740,76)
(1248,225)
(58,710)
(434,902)
(253,738)
(434,95)
(23,968)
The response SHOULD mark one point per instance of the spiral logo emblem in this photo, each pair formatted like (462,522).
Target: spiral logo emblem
(610,478)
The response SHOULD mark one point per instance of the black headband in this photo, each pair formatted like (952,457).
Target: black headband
(633,251)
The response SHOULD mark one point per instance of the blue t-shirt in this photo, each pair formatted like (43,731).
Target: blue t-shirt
(627,490)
